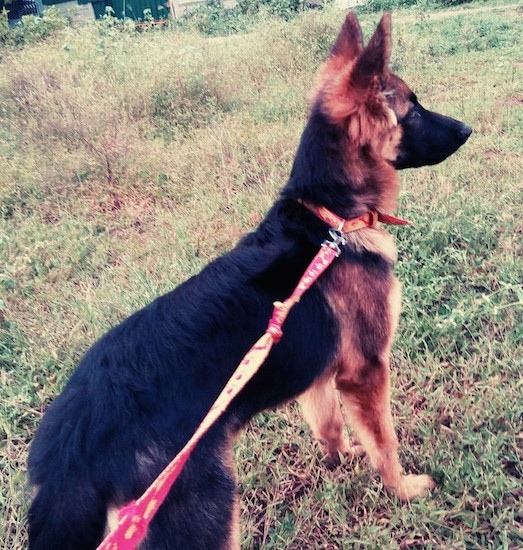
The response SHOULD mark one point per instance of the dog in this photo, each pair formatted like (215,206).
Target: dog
(140,392)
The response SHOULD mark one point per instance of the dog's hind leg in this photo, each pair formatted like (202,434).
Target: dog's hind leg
(367,403)
(321,409)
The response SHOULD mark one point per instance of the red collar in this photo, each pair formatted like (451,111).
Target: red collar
(369,219)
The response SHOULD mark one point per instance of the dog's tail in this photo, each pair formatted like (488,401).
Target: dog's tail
(66,519)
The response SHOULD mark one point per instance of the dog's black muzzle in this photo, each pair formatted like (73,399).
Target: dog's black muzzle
(429,138)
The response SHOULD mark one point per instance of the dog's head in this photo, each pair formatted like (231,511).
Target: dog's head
(357,92)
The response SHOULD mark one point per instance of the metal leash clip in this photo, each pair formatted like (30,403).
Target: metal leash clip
(337,240)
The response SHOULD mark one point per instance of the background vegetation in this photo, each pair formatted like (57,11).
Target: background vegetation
(130,159)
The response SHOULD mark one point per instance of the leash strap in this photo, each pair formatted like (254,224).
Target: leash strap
(134,518)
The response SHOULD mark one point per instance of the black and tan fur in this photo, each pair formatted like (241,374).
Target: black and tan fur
(140,392)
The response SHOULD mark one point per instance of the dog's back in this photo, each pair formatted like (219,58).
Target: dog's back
(140,392)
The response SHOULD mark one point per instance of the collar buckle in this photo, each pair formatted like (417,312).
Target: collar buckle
(336,242)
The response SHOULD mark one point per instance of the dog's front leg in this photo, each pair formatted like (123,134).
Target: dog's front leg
(366,398)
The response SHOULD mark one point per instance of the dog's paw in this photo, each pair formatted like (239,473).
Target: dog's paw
(343,448)
(353,450)
(412,486)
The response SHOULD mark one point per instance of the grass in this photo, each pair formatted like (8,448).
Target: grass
(130,160)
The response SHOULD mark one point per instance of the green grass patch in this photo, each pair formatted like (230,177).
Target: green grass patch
(129,160)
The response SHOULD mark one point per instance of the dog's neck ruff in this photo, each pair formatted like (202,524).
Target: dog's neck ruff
(369,219)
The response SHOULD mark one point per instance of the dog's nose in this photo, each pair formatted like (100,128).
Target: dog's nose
(464,132)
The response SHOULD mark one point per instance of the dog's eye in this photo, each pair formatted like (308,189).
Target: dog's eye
(410,116)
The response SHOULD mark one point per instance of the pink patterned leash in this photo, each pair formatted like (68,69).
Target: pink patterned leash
(134,518)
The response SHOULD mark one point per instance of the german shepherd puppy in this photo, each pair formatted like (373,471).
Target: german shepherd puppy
(140,392)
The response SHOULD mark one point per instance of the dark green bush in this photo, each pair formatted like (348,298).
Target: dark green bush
(32,28)
(282,8)
(213,18)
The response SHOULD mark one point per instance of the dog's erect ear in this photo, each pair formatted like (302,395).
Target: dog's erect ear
(349,43)
(352,70)
(374,60)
